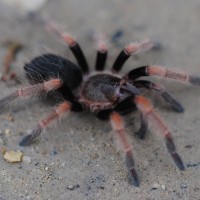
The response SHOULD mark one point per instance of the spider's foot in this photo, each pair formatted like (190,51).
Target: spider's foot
(140,134)
(194,80)
(134,180)
(178,161)
(178,107)
(29,139)
(143,128)
(173,102)
(172,151)
(157,46)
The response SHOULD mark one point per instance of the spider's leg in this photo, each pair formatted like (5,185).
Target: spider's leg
(57,113)
(77,51)
(102,53)
(162,91)
(147,110)
(68,96)
(73,45)
(120,133)
(124,107)
(129,50)
(143,127)
(128,106)
(160,71)
(29,91)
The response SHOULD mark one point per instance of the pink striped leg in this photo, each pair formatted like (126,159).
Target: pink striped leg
(30,91)
(102,52)
(173,74)
(147,110)
(129,50)
(163,72)
(70,41)
(57,113)
(120,133)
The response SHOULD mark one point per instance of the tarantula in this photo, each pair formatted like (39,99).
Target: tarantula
(107,94)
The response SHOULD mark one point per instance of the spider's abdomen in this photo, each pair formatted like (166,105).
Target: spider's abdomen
(50,66)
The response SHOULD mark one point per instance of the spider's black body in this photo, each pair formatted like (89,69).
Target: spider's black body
(101,92)
(48,66)
(107,94)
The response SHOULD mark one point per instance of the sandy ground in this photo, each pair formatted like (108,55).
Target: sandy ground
(77,159)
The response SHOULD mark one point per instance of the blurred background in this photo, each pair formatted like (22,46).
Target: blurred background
(77,159)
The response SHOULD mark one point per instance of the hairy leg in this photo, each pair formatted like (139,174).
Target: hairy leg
(143,127)
(160,71)
(147,110)
(29,91)
(120,133)
(57,113)
(129,50)
(71,42)
(162,91)
(77,51)
(102,52)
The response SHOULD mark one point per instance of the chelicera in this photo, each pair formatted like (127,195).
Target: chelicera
(105,93)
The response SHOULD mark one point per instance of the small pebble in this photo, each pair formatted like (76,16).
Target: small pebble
(163,187)
(26,159)
(8,132)
(46,168)
(10,117)
(2,150)
(13,156)
(53,153)
(63,164)
(155,186)
(70,187)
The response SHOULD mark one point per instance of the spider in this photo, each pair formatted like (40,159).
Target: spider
(105,93)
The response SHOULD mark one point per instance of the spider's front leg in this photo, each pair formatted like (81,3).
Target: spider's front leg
(148,112)
(162,91)
(160,71)
(120,133)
